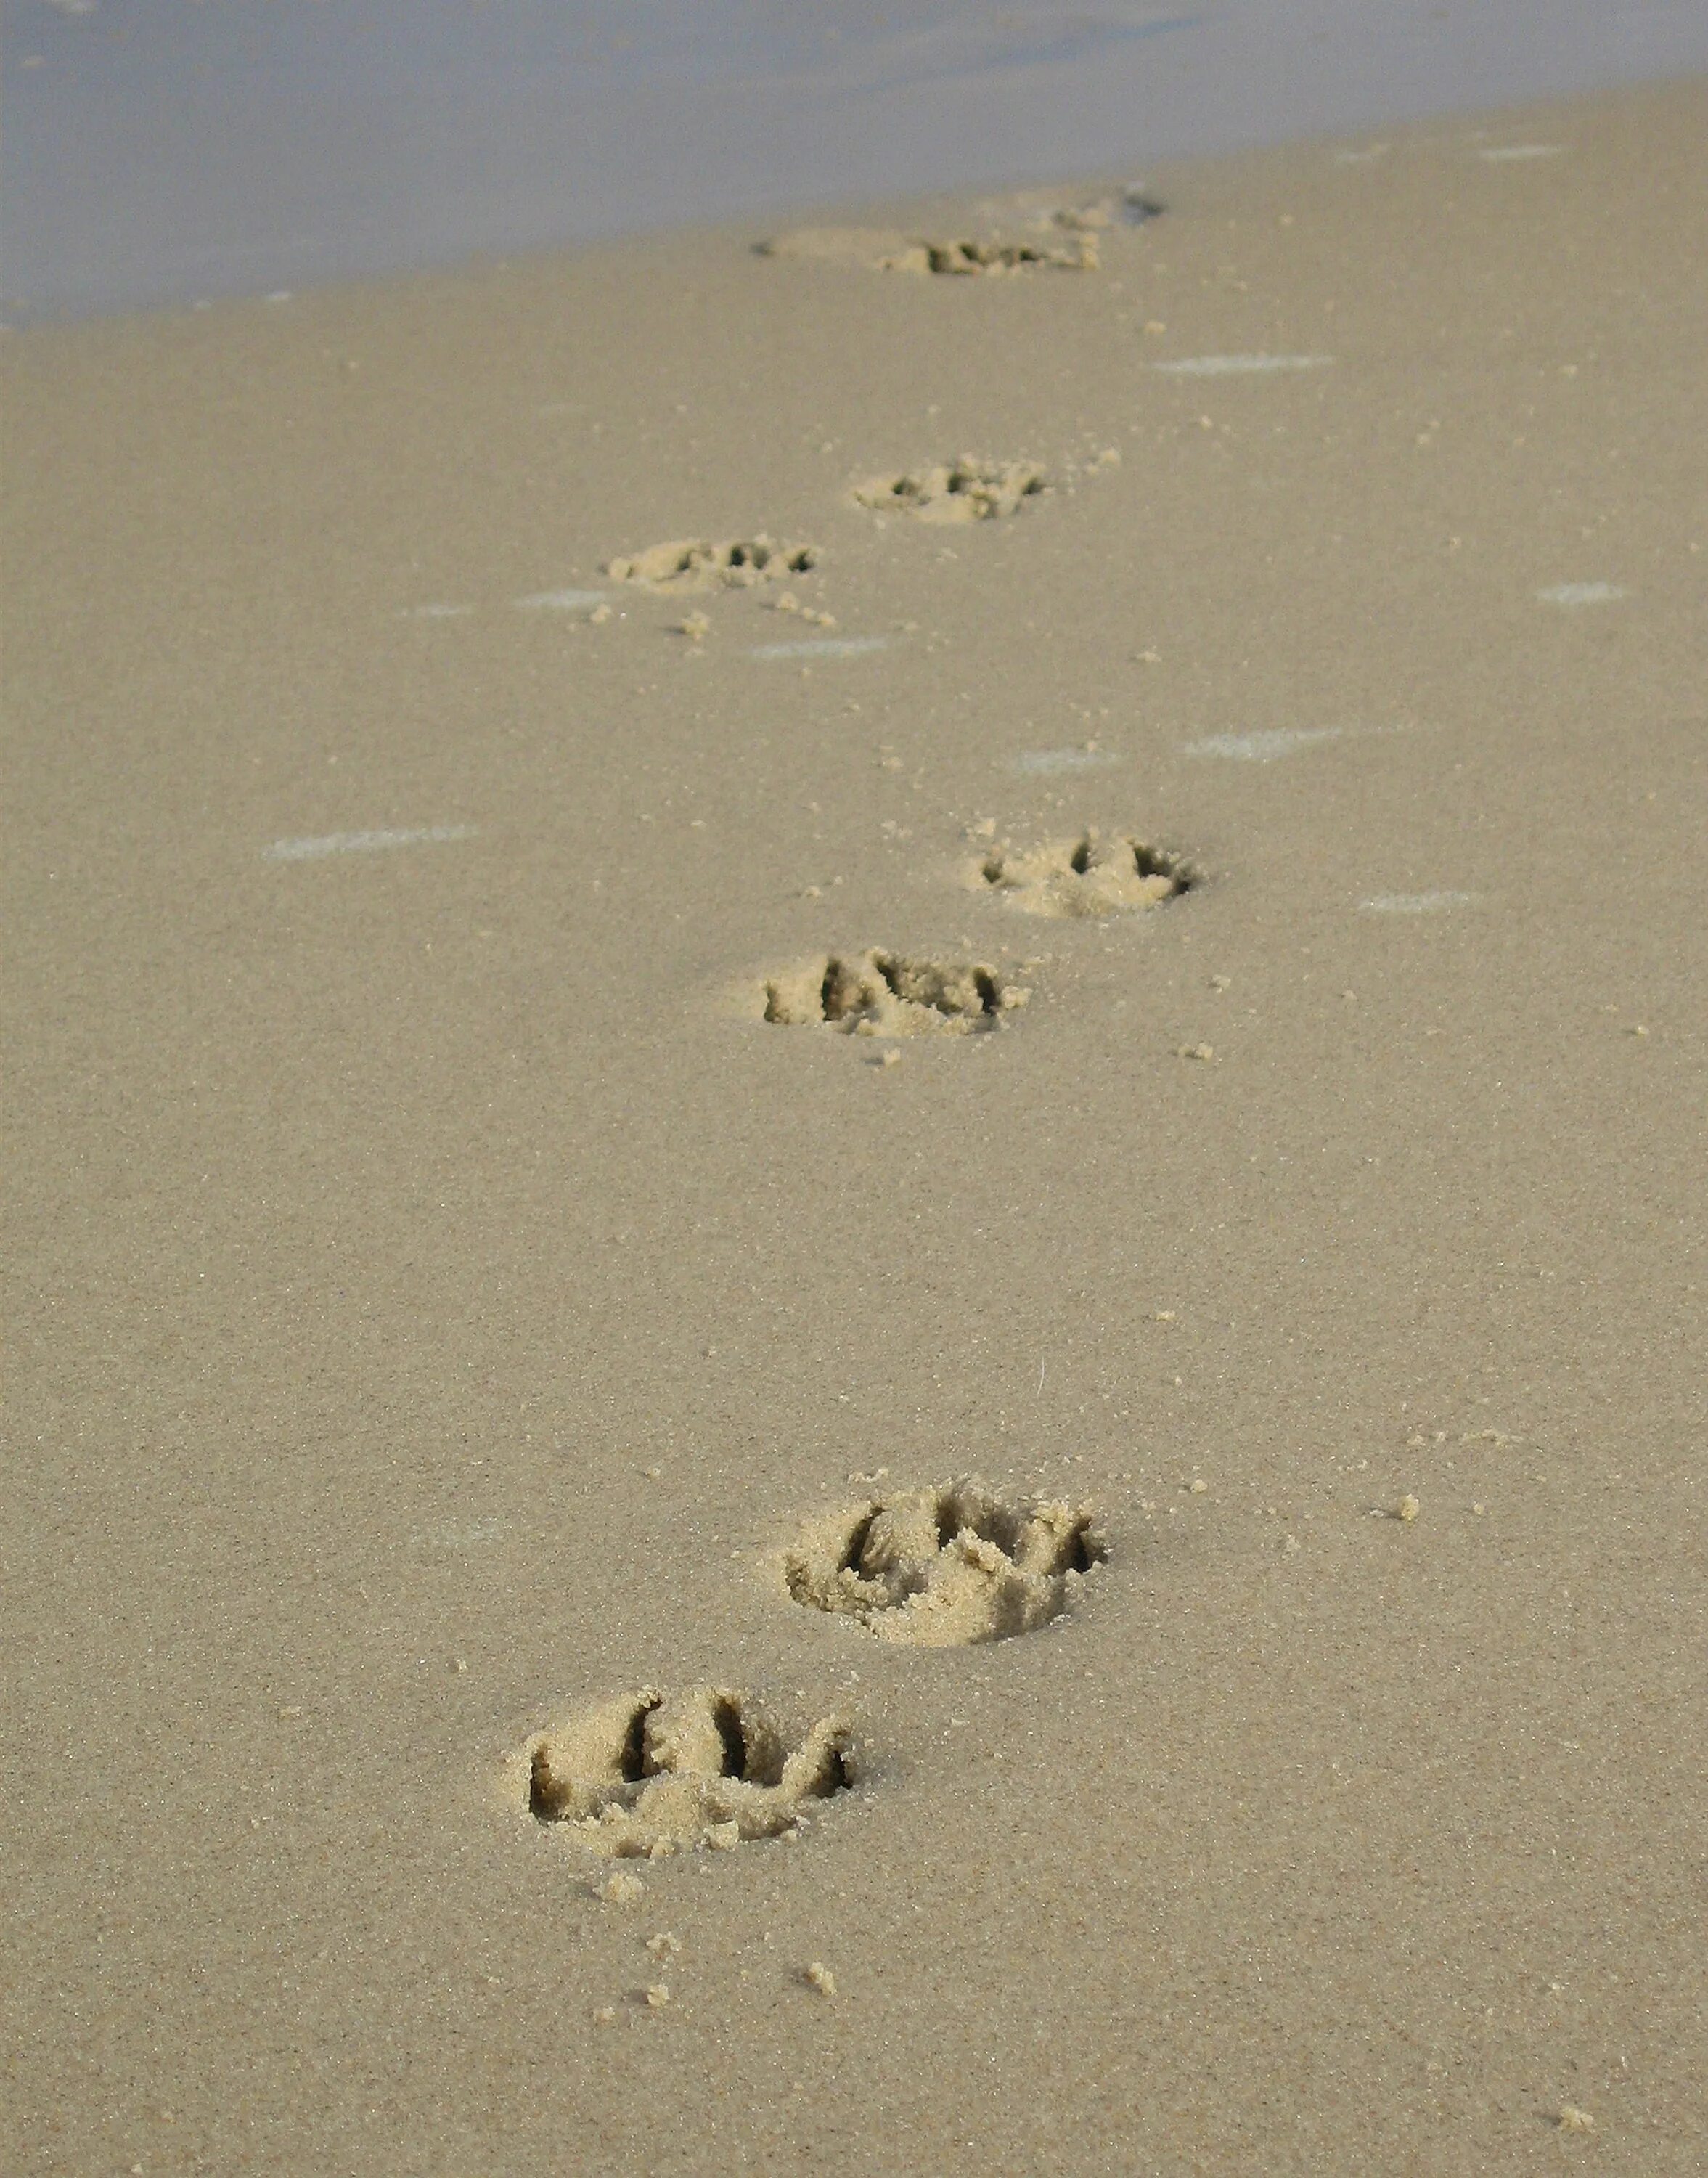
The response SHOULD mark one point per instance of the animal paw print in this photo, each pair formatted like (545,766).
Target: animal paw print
(656,1774)
(881,250)
(967,490)
(945,1567)
(1086,876)
(879,993)
(696,563)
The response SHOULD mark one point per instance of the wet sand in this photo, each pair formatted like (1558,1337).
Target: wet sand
(1132,927)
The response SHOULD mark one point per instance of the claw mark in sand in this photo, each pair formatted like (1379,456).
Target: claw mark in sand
(656,1774)
(879,993)
(945,1567)
(881,249)
(1085,876)
(967,490)
(695,564)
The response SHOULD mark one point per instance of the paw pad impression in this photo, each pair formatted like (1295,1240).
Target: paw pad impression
(879,993)
(946,1568)
(1086,876)
(654,1774)
(695,564)
(967,490)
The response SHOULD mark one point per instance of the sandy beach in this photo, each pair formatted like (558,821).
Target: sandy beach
(854,1248)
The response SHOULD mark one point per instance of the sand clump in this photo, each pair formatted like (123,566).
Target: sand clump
(891,994)
(1085,877)
(948,1567)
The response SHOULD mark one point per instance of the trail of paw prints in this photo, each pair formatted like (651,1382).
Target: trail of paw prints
(891,994)
(1085,876)
(654,1774)
(948,1567)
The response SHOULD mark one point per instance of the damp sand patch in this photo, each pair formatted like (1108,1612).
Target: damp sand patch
(362,843)
(823,646)
(1414,903)
(1263,746)
(1046,763)
(1240,366)
(1582,593)
(560,601)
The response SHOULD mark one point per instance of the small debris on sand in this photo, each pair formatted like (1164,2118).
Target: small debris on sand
(821,1979)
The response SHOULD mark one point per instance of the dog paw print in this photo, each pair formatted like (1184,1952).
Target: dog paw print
(891,994)
(880,250)
(1086,876)
(948,1567)
(696,563)
(656,1774)
(967,490)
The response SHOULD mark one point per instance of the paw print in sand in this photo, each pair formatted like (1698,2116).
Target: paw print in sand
(890,994)
(947,1566)
(1087,876)
(654,1774)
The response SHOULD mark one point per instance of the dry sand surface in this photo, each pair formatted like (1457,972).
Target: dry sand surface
(1124,917)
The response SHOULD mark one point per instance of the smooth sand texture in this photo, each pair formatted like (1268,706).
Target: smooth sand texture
(441,1302)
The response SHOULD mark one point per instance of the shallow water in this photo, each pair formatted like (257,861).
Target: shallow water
(153,154)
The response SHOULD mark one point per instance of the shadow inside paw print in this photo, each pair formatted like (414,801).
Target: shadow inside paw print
(1086,876)
(879,993)
(948,1567)
(654,1774)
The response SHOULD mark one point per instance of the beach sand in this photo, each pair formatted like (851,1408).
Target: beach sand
(1141,939)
